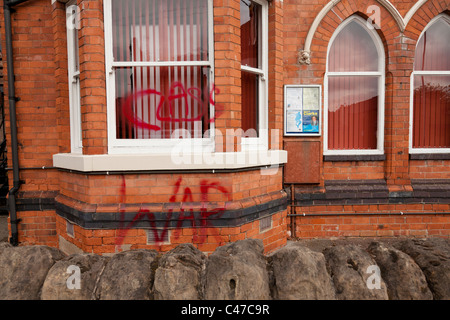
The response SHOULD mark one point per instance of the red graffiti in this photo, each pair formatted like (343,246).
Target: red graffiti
(200,226)
(176,92)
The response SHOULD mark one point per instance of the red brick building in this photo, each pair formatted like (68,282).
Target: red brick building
(146,123)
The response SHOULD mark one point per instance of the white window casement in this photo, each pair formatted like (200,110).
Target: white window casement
(160,73)
(429,125)
(354,91)
(72,27)
(161,95)
(254,77)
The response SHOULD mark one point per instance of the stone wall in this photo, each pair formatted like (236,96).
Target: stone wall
(407,269)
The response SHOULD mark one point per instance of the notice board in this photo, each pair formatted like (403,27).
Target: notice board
(302,110)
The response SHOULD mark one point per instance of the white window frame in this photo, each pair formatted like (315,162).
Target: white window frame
(381,91)
(152,146)
(413,150)
(76,143)
(261,142)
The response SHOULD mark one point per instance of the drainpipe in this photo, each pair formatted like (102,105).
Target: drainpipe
(7,8)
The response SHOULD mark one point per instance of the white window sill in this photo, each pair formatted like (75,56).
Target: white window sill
(149,162)
(429,150)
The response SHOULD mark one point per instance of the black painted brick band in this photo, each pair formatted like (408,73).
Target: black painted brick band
(354,192)
(175,219)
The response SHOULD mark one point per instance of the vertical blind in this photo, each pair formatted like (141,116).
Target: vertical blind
(153,101)
(352,112)
(352,97)
(431,95)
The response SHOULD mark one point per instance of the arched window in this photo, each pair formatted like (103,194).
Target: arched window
(430,90)
(354,91)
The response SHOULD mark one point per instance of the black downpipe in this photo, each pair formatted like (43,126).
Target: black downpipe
(7,8)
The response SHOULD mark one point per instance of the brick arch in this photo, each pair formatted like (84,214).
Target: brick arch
(422,17)
(348,8)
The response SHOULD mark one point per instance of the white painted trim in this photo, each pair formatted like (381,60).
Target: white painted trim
(411,96)
(381,90)
(253,70)
(76,143)
(357,73)
(121,64)
(429,150)
(261,142)
(352,152)
(431,73)
(143,162)
(395,14)
(401,22)
(316,22)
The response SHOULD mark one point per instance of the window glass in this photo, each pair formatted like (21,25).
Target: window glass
(353,50)
(352,113)
(153,102)
(155,30)
(250,93)
(431,88)
(431,118)
(251,14)
(250,27)
(157,101)
(433,49)
(353,97)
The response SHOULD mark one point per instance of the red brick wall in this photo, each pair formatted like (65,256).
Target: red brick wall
(35,66)
(158,188)
(37,228)
(205,239)
(40,66)
(397,168)
(429,169)
(40,57)
(61,77)
(93,78)
(373,225)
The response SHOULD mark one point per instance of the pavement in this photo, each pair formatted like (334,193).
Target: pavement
(3,228)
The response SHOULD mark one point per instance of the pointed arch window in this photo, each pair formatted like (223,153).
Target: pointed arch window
(430,90)
(354,91)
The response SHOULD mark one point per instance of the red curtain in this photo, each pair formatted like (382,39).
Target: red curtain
(160,31)
(431,112)
(250,21)
(352,113)
(352,99)
(431,97)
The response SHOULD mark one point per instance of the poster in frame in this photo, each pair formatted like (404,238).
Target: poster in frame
(302,110)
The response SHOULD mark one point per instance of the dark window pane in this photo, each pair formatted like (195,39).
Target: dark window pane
(250,93)
(250,25)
